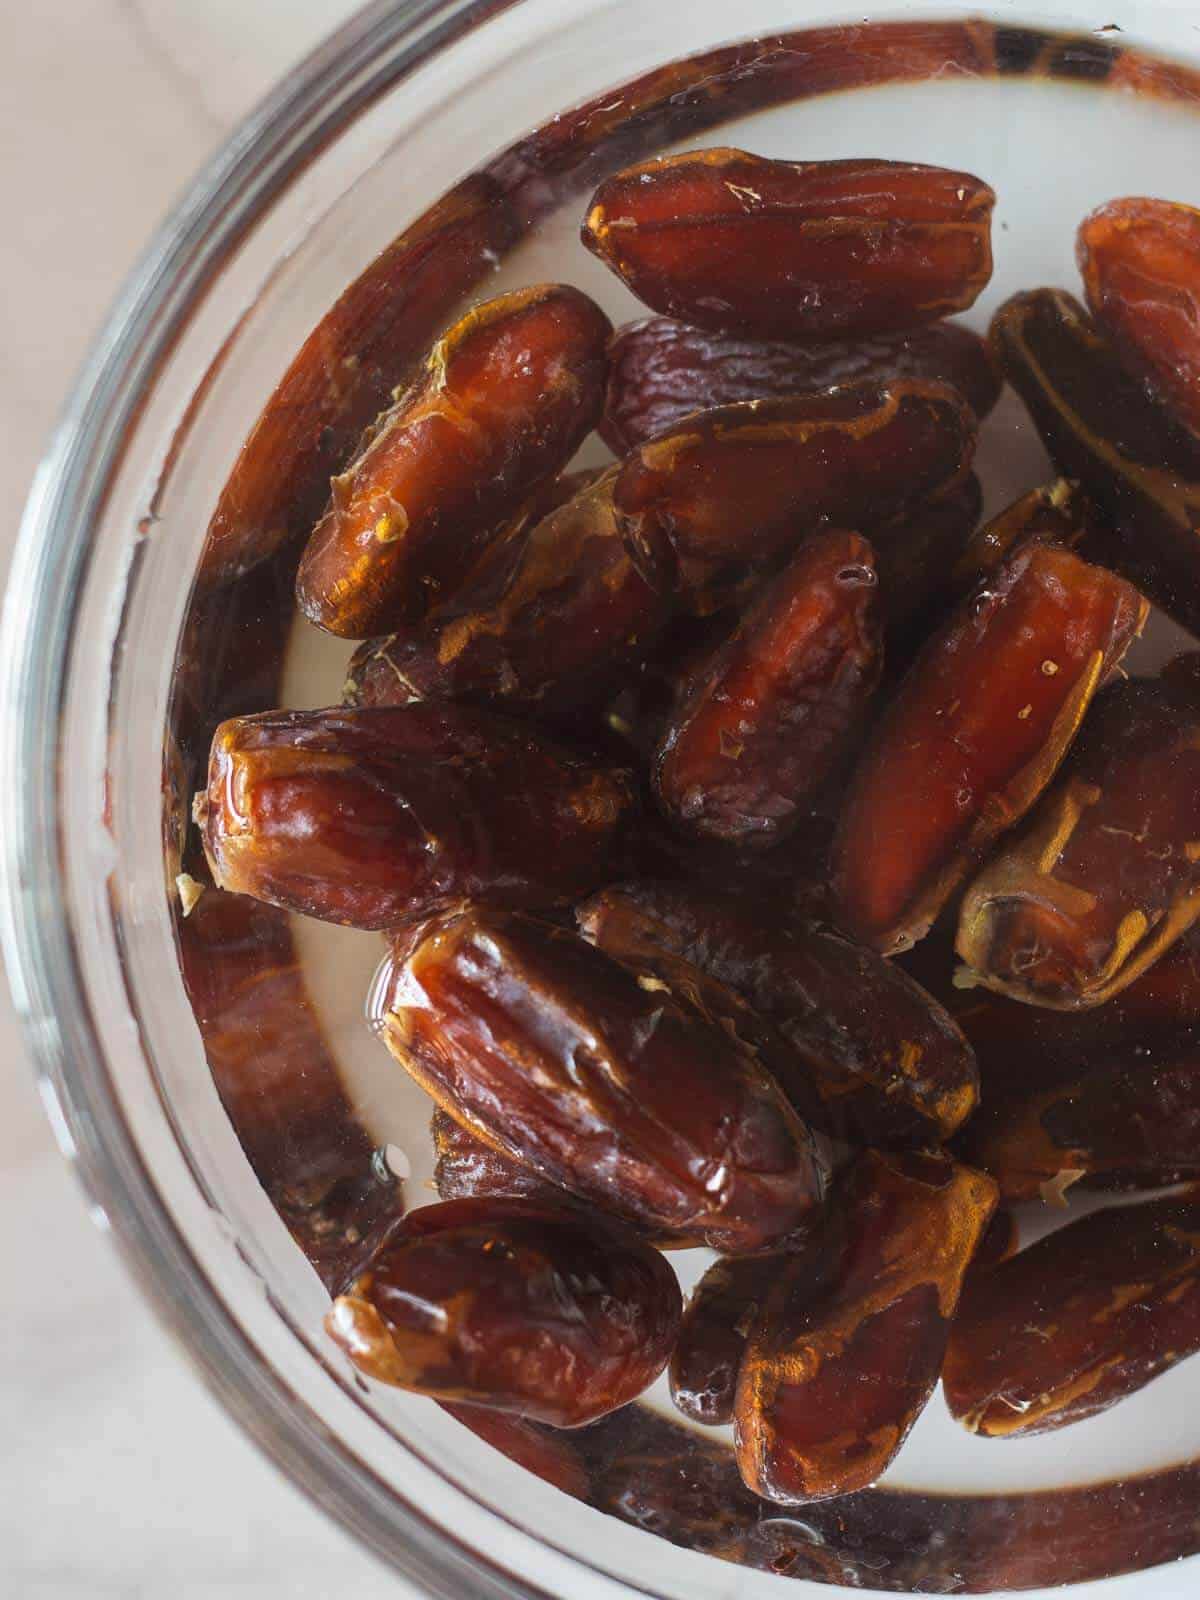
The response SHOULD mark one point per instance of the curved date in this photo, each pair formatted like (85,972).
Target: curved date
(364,816)
(515,1305)
(794,249)
(601,1080)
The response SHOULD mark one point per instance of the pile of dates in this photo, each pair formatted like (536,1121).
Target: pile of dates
(672,783)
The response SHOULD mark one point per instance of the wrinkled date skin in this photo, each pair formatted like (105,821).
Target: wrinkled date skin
(601,1080)
(874,1059)
(1135,1116)
(512,1304)
(973,736)
(345,371)
(468,1168)
(1140,261)
(767,720)
(792,249)
(661,371)
(1078,1321)
(1105,874)
(1139,468)
(364,816)
(847,1349)
(712,1337)
(504,400)
(746,482)
(549,624)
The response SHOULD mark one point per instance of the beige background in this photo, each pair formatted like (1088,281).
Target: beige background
(120,1479)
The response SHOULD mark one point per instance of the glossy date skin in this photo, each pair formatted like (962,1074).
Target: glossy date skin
(468,1168)
(1132,1120)
(973,736)
(743,483)
(768,249)
(660,371)
(548,623)
(363,816)
(915,557)
(1139,468)
(875,1297)
(600,1079)
(345,371)
(874,1059)
(766,720)
(1105,1305)
(513,1304)
(712,1337)
(1105,874)
(1055,513)
(505,398)
(1140,261)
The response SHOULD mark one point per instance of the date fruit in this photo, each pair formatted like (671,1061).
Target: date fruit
(550,622)
(768,718)
(661,371)
(973,736)
(873,1059)
(1053,514)
(1140,261)
(750,481)
(512,1304)
(914,557)
(468,1168)
(1105,874)
(601,1080)
(847,1349)
(1103,1306)
(364,816)
(712,1337)
(505,398)
(768,249)
(1139,468)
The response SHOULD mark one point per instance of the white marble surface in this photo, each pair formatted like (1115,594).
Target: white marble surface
(120,1478)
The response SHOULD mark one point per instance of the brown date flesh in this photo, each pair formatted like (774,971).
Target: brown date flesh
(973,736)
(1138,468)
(873,1058)
(548,622)
(363,816)
(1105,874)
(505,398)
(345,371)
(747,482)
(767,719)
(661,371)
(875,1297)
(515,1305)
(768,249)
(600,1080)
(712,1336)
(1104,1305)
(1140,261)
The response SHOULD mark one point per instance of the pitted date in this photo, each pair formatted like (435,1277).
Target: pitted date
(1105,874)
(364,816)
(504,399)
(512,1304)
(873,1058)
(550,622)
(749,481)
(1134,1117)
(1139,468)
(875,1297)
(976,732)
(712,1337)
(600,1079)
(1104,1306)
(792,249)
(767,719)
(661,371)
(1140,261)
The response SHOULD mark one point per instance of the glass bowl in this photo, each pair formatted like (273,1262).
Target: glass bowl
(238,1130)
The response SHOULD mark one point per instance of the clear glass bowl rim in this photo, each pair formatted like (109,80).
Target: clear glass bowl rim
(360,62)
